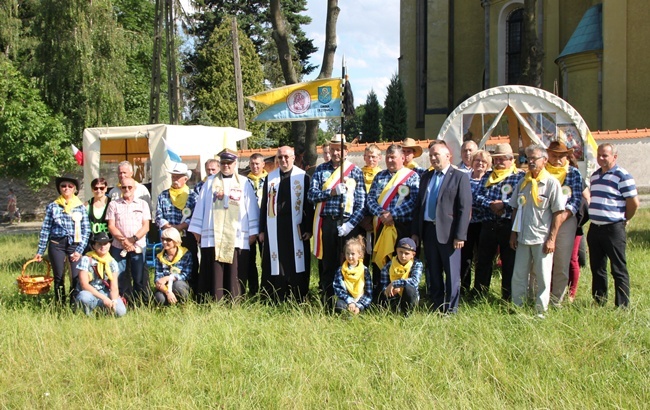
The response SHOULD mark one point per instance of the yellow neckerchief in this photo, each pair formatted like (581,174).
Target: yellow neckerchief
(68,205)
(412,165)
(354,279)
(558,173)
(179,196)
(399,271)
(528,178)
(103,265)
(256,178)
(499,175)
(180,252)
(385,245)
(368,175)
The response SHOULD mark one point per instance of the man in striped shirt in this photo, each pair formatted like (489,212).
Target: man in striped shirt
(614,202)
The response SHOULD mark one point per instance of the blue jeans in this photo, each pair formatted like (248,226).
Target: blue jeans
(134,277)
(89,302)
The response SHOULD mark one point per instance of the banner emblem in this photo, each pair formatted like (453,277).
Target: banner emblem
(299,101)
(325,94)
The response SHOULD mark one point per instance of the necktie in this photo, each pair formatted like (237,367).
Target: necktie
(433,195)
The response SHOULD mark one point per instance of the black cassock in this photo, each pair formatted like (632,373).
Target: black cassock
(288,282)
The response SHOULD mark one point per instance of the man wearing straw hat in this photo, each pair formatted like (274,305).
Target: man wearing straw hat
(175,208)
(571,182)
(494,194)
(391,202)
(411,151)
(339,209)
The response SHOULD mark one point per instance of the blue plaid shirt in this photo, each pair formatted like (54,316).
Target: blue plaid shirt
(342,293)
(479,214)
(486,195)
(167,212)
(402,213)
(413,279)
(333,204)
(574,181)
(58,224)
(184,265)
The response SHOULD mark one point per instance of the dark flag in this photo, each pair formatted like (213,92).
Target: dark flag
(348,100)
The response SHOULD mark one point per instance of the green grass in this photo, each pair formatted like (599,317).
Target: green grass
(255,356)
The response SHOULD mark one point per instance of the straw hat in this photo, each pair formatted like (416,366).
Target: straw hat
(410,143)
(559,147)
(502,150)
(337,139)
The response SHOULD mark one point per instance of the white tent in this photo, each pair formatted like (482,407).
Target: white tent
(148,142)
(532,115)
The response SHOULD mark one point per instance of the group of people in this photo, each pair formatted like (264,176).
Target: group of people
(370,228)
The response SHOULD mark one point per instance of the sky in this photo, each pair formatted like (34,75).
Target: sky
(368,37)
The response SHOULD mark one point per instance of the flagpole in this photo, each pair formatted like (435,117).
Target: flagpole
(344,78)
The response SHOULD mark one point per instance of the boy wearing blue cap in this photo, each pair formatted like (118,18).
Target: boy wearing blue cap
(400,277)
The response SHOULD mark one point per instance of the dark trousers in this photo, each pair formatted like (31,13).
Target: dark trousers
(133,281)
(253,274)
(609,242)
(467,256)
(405,303)
(443,289)
(59,250)
(189,241)
(280,288)
(181,290)
(218,279)
(495,235)
(332,257)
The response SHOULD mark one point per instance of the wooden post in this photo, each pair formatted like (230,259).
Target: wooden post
(241,121)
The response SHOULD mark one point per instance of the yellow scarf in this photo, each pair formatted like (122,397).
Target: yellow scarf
(179,196)
(558,173)
(354,279)
(399,271)
(256,178)
(385,245)
(412,165)
(368,175)
(68,205)
(499,175)
(179,255)
(528,178)
(103,265)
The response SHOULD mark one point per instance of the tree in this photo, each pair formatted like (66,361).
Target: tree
(214,93)
(353,125)
(34,142)
(394,115)
(532,51)
(370,123)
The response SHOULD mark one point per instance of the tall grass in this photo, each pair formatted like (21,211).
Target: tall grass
(250,355)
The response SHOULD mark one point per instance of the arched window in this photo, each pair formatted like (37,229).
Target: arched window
(514,30)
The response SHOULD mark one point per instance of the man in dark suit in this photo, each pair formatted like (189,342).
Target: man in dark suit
(443,211)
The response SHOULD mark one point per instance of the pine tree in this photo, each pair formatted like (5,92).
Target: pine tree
(370,124)
(394,116)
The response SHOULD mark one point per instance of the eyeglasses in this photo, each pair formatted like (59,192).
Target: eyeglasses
(125,187)
(69,186)
(167,239)
(533,159)
(99,188)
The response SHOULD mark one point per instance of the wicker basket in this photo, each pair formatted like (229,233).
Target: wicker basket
(34,284)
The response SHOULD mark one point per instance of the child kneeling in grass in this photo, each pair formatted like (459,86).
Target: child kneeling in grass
(352,282)
(400,278)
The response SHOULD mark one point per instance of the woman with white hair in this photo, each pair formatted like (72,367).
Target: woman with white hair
(173,266)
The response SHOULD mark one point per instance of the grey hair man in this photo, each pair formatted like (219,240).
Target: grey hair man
(125,170)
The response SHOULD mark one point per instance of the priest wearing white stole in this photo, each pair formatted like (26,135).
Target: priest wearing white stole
(286,225)
(225,222)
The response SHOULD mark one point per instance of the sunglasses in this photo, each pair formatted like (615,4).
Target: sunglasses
(124,188)
(70,186)
(99,188)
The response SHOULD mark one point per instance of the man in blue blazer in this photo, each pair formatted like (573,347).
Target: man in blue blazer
(443,211)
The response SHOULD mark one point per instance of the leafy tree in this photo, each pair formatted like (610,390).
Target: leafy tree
(34,142)
(215,100)
(370,123)
(81,62)
(353,125)
(394,115)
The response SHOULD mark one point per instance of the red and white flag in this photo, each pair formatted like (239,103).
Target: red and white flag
(78,155)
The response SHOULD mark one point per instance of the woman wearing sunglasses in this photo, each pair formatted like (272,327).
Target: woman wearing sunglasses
(97,206)
(67,230)
(173,267)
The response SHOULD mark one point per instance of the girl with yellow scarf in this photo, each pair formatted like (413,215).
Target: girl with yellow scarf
(352,281)
(400,278)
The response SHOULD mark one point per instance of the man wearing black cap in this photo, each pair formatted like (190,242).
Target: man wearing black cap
(225,222)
